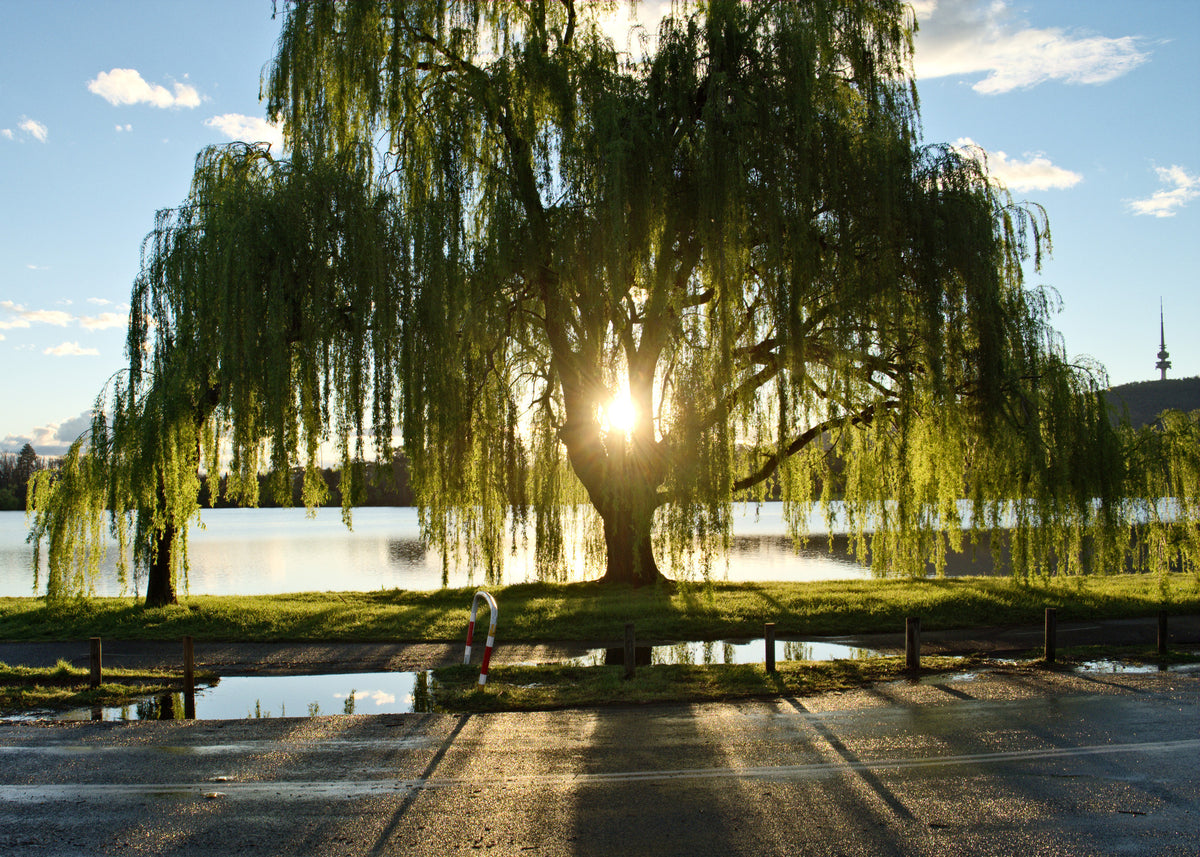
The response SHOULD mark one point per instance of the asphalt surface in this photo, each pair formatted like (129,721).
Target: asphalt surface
(1011,760)
(1018,761)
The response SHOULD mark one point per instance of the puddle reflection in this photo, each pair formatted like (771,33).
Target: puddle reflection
(727,652)
(235,697)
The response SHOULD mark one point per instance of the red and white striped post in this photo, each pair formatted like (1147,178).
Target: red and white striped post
(491,639)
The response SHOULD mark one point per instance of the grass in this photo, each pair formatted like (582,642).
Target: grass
(596,613)
(64,687)
(551,686)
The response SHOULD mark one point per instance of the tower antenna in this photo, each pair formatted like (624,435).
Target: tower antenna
(1163,363)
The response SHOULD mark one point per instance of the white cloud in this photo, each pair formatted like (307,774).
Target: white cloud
(126,86)
(1181,188)
(249,129)
(13,315)
(100,301)
(969,37)
(34,128)
(18,316)
(104,321)
(34,267)
(53,439)
(70,349)
(1036,172)
(7,133)
(125,127)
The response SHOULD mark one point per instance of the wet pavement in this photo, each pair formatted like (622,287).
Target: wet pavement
(1011,761)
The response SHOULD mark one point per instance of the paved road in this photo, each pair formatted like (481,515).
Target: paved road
(1014,762)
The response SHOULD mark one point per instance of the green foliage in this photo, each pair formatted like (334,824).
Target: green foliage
(1140,402)
(493,222)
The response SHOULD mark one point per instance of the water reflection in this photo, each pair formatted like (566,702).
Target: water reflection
(261,697)
(405,552)
(708,652)
(271,551)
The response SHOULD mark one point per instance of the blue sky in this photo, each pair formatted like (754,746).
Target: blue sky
(1089,108)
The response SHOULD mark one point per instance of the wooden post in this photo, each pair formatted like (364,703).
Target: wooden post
(769,633)
(1162,632)
(97,669)
(630,651)
(1051,633)
(189,678)
(912,643)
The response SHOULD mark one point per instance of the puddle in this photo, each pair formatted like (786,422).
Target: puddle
(727,652)
(1122,668)
(238,697)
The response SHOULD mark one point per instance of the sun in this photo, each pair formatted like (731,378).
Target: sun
(620,414)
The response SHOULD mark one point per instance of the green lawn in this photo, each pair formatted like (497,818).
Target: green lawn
(594,613)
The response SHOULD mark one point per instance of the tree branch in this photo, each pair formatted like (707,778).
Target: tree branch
(772,464)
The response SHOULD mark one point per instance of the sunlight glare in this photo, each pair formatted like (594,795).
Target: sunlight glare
(621,415)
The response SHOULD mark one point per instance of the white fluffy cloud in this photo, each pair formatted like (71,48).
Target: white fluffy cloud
(15,315)
(125,86)
(1036,172)
(1181,187)
(70,349)
(969,37)
(34,129)
(104,321)
(249,129)
(53,439)
(7,133)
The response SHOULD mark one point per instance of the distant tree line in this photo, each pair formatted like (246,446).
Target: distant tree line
(15,470)
(381,486)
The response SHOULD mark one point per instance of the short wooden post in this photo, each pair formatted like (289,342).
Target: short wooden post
(1162,632)
(912,643)
(189,678)
(630,651)
(97,669)
(769,634)
(1051,633)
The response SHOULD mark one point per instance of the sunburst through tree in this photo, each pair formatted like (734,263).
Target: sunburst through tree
(652,284)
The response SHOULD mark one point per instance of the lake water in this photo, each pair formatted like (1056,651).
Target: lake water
(270,551)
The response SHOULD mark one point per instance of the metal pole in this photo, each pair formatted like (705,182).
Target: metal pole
(1162,632)
(769,633)
(912,643)
(1051,633)
(630,650)
(97,670)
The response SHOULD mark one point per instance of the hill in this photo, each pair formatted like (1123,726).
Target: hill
(1143,401)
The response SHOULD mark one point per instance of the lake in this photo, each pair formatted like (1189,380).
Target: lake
(270,551)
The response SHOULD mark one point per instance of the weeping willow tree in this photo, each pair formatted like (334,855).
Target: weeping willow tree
(252,318)
(722,266)
(740,231)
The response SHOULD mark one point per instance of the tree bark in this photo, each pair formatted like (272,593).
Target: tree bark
(160,588)
(627,503)
(629,549)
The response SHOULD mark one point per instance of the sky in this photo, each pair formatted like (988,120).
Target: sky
(1090,109)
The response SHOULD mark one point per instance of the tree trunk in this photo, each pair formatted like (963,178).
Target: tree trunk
(160,588)
(627,509)
(628,548)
